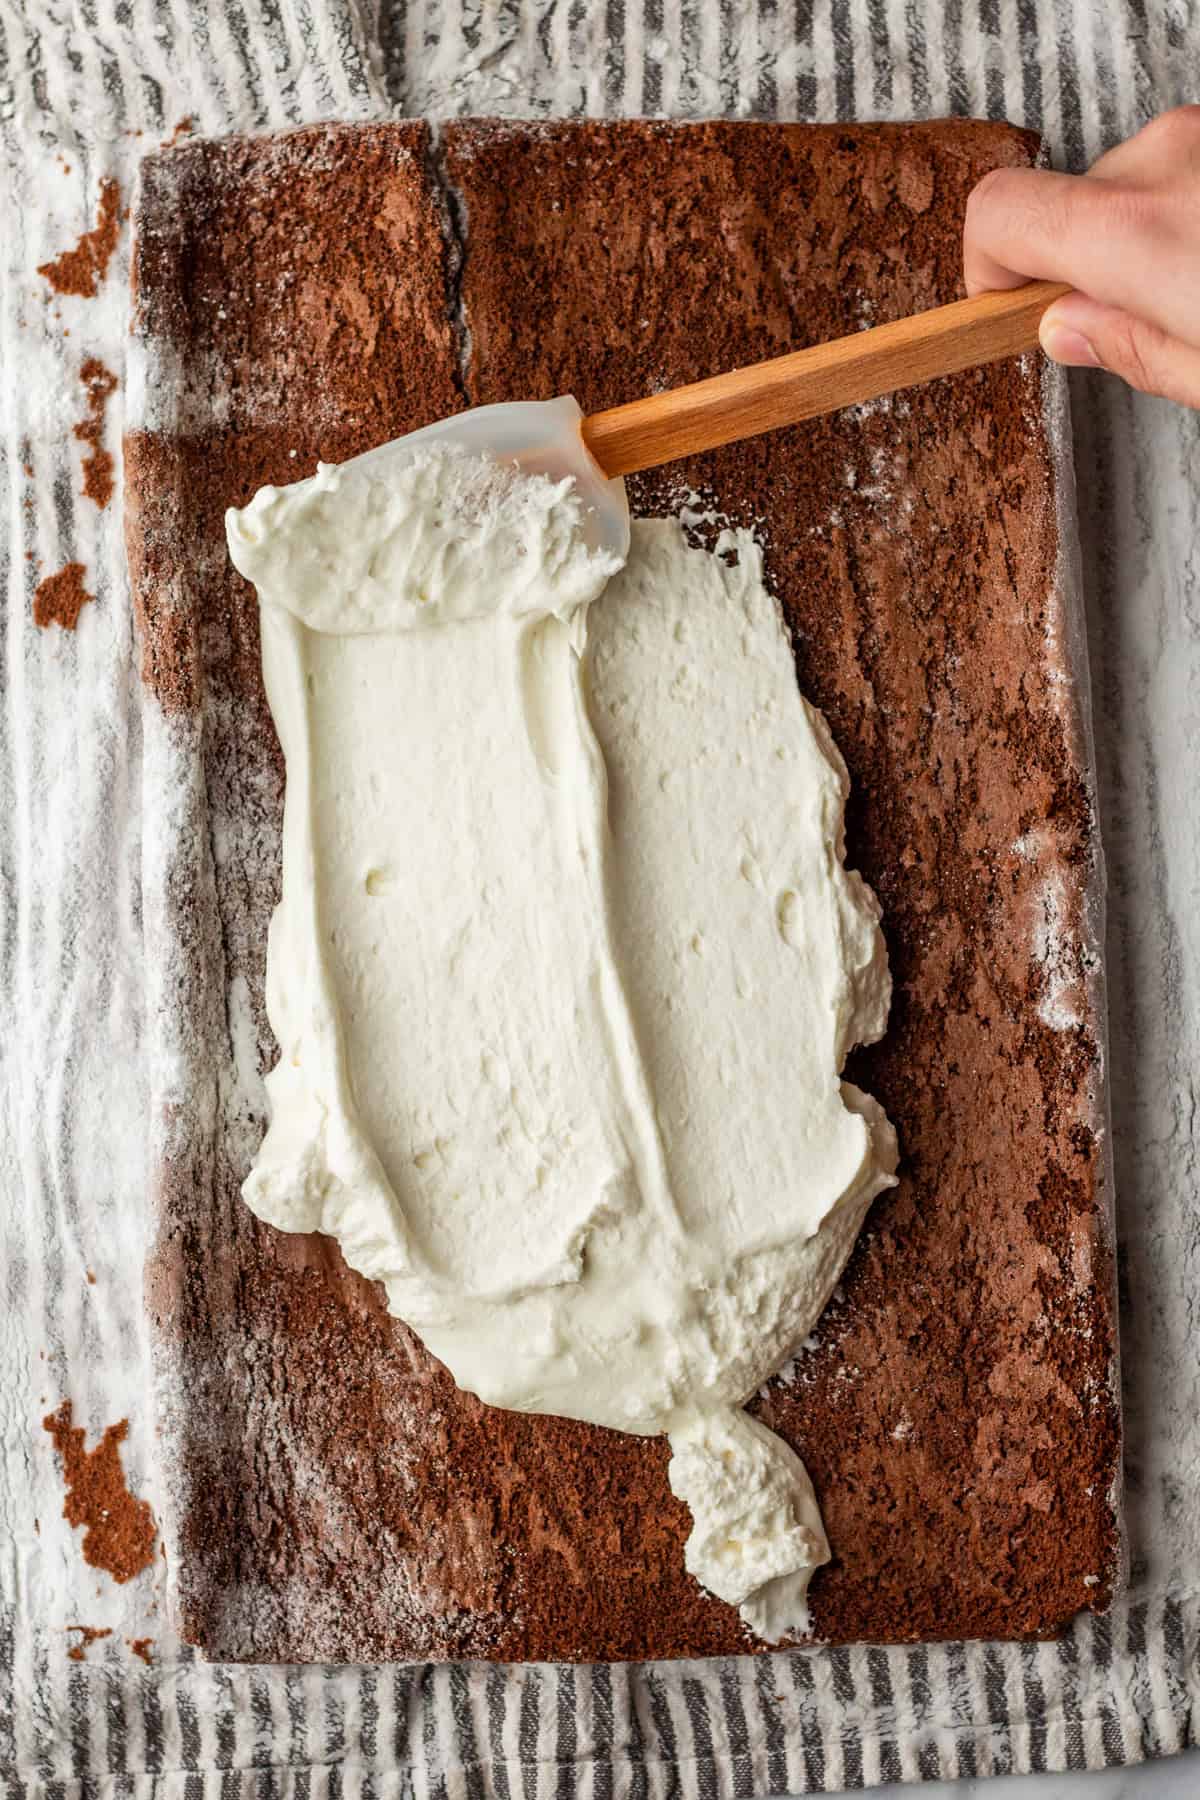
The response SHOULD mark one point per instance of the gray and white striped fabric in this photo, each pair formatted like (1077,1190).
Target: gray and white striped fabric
(84,84)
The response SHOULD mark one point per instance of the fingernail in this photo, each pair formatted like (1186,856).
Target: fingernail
(1064,345)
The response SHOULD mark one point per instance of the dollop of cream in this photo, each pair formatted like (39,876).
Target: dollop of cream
(566,968)
(419,542)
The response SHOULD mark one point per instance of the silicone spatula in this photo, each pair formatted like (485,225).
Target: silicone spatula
(552,436)
(823,379)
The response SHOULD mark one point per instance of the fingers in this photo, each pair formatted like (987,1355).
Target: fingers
(1010,232)
(1165,151)
(1126,237)
(1085,333)
(1124,245)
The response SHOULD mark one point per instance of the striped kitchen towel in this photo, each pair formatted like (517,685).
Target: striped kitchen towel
(84,86)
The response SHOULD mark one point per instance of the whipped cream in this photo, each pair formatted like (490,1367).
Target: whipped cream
(566,967)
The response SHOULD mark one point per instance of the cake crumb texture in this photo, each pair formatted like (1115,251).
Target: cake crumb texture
(333,1496)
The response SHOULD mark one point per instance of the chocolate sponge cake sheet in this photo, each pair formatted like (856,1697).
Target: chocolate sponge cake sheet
(333,1496)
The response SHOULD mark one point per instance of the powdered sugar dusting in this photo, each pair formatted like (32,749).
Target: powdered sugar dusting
(1057,955)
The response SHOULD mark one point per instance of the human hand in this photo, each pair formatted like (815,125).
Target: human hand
(1126,236)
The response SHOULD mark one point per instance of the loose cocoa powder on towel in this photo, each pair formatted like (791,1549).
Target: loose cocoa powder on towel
(89,1635)
(60,598)
(119,1529)
(98,465)
(81,270)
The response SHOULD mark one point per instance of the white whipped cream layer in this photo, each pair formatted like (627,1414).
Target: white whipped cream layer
(566,968)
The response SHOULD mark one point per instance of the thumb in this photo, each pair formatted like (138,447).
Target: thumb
(1083,333)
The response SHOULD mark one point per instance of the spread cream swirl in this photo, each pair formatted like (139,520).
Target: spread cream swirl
(566,967)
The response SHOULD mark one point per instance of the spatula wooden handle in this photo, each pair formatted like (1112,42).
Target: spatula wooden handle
(823,379)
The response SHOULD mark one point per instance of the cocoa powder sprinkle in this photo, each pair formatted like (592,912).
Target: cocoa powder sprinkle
(98,463)
(81,270)
(60,598)
(119,1529)
(90,1634)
